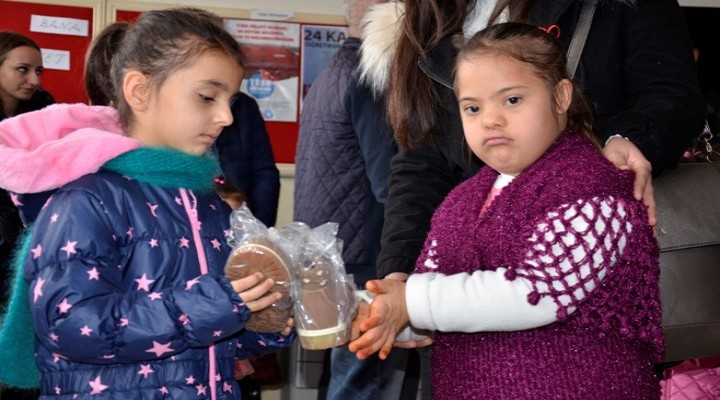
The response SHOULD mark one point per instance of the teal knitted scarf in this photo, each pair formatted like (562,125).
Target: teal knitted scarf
(158,166)
(17,337)
(167,168)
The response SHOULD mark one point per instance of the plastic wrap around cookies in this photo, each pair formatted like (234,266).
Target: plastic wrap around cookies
(258,254)
(322,323)
(308,270)
(323,293)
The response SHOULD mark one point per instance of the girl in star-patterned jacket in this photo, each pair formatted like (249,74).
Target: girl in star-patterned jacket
(123,265)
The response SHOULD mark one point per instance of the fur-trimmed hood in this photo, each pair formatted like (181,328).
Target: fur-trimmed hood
(45,149)
(382,29)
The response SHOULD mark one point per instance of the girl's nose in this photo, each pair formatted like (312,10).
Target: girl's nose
(225,116)
(492,117)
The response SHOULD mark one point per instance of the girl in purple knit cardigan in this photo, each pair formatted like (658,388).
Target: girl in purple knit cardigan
(539,276)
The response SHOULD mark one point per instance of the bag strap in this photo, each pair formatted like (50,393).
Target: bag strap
(702,148)
(580,36)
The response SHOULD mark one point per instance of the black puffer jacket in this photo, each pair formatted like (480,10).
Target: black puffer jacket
(247,160)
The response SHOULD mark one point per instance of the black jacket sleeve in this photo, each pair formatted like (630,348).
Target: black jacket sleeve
(264,187)
(658,102)
(419,180)
(247,159)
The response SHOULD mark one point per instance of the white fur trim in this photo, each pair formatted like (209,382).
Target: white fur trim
(383,27)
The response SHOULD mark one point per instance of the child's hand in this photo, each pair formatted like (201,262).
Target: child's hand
(411,337)
(413,344)
(363,314)
(252,289)
(288,329)
(388,315)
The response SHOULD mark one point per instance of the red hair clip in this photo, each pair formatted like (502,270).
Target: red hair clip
(552,30)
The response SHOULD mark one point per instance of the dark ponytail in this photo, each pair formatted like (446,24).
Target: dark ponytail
(96,77)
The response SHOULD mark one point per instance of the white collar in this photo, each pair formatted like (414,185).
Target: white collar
(503,180)
(479,18)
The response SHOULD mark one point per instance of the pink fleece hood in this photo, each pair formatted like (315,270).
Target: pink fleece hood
(48,148)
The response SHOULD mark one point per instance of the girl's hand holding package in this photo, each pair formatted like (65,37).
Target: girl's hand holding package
(289,328)
(252,290)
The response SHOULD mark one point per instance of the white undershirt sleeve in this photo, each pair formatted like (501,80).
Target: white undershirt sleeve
(487,301)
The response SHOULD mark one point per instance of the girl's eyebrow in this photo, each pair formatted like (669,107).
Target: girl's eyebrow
(212,82)
(496,94)
(509,89)
(467,98)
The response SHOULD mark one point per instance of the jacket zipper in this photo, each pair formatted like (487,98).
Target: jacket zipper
(190,203)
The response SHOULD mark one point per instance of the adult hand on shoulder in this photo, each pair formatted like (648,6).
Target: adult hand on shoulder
(625,155)
(252,290)
(388,315)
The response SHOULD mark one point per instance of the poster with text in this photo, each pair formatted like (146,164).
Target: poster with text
(320,43)
(272,73)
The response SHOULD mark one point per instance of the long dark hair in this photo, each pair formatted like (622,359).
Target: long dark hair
(412,96)
(542,53)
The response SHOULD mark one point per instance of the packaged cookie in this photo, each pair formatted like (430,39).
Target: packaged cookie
(256,249)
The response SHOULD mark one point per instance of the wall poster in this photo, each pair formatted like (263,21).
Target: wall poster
(320,43)
(273,72)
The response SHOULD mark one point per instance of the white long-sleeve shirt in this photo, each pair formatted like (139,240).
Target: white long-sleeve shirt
(487,301)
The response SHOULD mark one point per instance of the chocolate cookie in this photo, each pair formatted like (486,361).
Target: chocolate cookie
(262,255)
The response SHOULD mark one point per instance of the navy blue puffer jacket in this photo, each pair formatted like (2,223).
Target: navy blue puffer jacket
(128,294)
(125,275)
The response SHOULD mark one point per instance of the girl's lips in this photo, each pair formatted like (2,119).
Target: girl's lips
(209,137)
(496,140)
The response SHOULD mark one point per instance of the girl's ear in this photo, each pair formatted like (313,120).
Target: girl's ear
(563,96)
(136,90)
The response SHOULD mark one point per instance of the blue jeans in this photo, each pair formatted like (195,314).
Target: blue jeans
(368,379)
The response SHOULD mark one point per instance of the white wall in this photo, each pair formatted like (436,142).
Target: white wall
(700,3)
(333,7)
(287,190)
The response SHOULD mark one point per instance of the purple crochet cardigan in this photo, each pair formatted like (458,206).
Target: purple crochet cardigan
(606,348)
